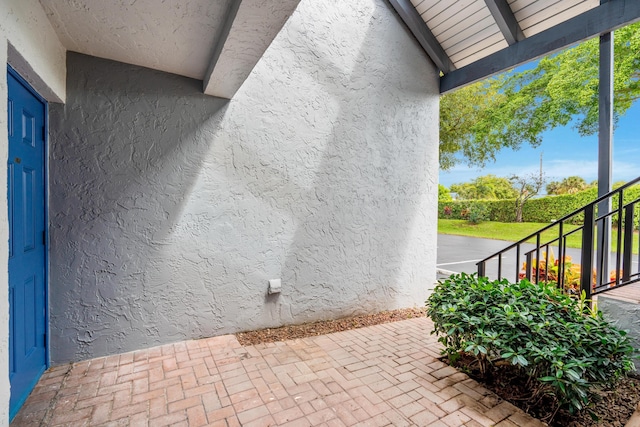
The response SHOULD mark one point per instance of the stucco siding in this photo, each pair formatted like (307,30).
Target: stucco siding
(171,210)
(29,44)
(34,51)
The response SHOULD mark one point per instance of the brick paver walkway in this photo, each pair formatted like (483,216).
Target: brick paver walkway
(381,375)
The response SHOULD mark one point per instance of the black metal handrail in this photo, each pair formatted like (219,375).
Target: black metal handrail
(593,270)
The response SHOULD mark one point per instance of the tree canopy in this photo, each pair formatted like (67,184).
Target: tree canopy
(568,185)
(485,187)
(527,186)
(513,109)
(444,194)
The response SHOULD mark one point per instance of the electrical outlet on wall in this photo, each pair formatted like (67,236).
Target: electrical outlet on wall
(275,285)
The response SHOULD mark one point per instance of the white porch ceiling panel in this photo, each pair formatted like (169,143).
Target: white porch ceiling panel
(467,30)
(469,40)
(540,15)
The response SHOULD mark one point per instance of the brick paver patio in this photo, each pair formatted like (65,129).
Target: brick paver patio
(381,375)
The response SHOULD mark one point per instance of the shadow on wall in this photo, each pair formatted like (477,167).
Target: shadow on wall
(361,246)
(125,149)
(170,210)
(351,169)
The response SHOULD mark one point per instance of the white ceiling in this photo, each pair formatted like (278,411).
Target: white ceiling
(467,31)
(220,41)
(216,41)
(176,36)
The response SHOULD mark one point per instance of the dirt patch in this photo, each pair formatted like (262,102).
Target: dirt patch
(614,406)
(326,327)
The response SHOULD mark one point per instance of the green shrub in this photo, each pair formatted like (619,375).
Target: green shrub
(544,209)
(494,210)
(444,195)
(478,213)
(565,349)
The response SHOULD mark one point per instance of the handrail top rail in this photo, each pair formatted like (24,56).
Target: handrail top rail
(564,218)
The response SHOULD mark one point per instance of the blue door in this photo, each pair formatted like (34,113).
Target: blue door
(27,240)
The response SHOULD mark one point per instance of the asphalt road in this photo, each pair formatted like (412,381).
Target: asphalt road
(461,253)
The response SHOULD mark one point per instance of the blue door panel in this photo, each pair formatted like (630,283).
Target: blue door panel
(30,316)
(28,128)
(10,203)
(27,251)
(28,215)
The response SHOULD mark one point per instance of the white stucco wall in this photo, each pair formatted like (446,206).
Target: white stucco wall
(40,58)
(170,210)
(37,54)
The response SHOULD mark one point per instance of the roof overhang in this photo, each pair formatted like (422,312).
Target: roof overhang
(250,27)
(470,40)
(218,42)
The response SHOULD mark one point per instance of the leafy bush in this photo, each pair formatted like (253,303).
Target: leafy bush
(477,213)
(564,348)
(544,209)
(444,195)
(493,210)
(550,273)
(496,210)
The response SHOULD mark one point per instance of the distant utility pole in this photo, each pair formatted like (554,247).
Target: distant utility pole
(541,153)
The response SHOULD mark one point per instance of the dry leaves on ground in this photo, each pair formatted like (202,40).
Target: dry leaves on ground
(327,326)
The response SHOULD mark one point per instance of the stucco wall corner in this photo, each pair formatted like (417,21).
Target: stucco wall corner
(29,44)
(34,49)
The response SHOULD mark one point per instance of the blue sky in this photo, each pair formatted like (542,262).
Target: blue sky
(565,153)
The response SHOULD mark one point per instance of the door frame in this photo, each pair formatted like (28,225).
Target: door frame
(45,172)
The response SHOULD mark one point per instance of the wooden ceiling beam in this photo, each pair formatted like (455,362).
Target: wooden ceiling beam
(423,34)
(506,21)
(599,20)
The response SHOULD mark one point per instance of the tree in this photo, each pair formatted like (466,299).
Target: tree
(527,187)
(444,195)
(569,185)
(463,115)
(485,187)
(516,108)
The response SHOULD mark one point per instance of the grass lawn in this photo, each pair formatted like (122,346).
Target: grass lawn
(515,231)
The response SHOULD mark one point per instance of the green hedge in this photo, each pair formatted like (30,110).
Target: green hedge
(496,210)
(544,209)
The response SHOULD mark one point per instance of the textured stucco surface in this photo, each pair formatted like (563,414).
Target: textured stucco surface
(625,315)
(255,24)
(29,44)
(176,36)
(36,53)
(170,210)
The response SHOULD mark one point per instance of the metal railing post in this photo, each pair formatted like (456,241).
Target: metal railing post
(537,276)
(628,242)
(586,275)
(517,263)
